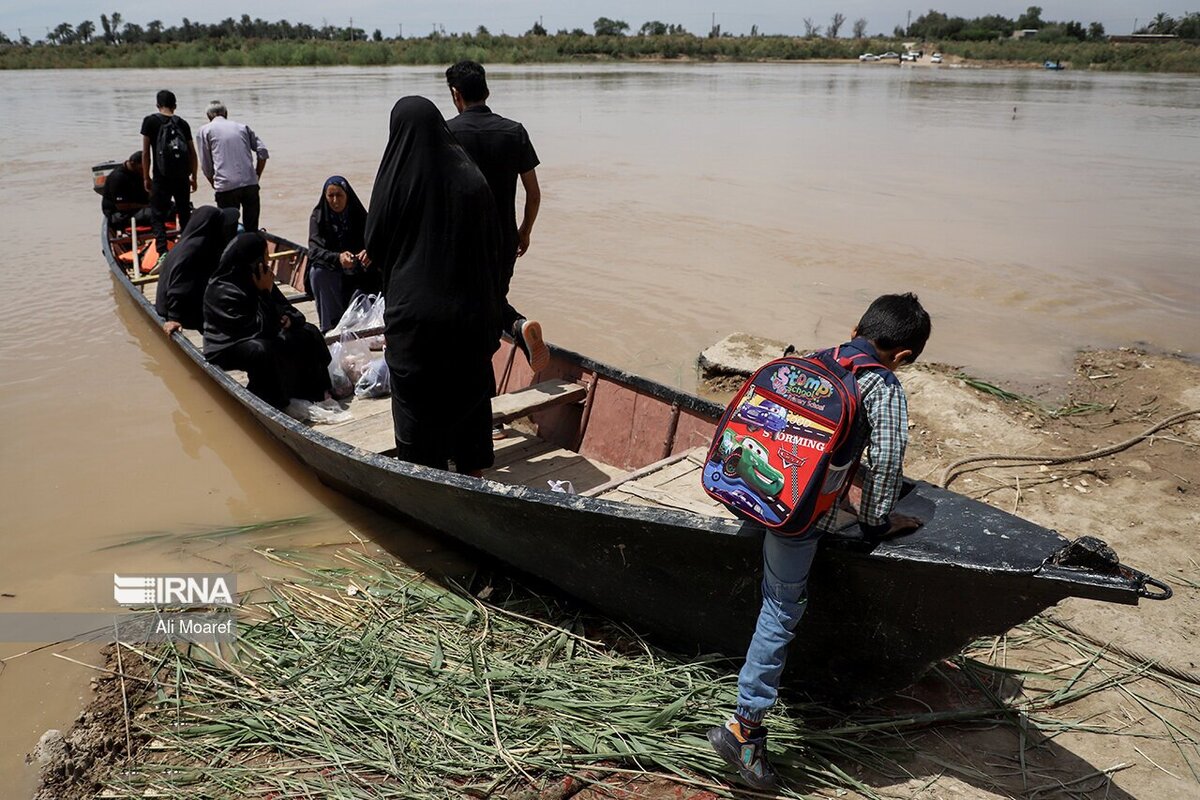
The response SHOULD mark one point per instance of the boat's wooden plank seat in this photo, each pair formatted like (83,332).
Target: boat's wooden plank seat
(541,464)
(300,300)
(672,483)
(538,397)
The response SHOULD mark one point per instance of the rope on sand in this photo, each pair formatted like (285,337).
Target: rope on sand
(954,470)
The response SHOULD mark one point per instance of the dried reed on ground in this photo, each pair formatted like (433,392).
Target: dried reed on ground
(366,680)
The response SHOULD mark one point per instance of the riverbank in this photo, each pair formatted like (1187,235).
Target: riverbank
(1179,57)
(553,701)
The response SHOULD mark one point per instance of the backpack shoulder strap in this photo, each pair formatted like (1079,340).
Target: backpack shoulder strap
(857,362)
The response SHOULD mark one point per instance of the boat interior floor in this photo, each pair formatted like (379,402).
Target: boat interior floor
(524,459)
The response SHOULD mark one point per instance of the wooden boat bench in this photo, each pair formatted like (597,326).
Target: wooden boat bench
(539,397)
(673,482)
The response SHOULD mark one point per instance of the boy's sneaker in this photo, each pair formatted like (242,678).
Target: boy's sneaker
(747,753)
(528,336)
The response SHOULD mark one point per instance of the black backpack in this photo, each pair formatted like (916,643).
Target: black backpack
(171,150)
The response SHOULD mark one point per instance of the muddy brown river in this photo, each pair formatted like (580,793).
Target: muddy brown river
(1035,213)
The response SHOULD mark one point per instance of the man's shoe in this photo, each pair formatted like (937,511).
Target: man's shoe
(498,433)
(746,754)
(528,336)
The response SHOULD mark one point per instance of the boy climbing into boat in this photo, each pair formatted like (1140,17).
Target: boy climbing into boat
(891,333)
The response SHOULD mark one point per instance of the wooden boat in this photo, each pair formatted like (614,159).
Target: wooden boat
(639,539)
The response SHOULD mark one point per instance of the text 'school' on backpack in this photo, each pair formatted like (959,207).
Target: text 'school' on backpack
(171,150)
(782,454)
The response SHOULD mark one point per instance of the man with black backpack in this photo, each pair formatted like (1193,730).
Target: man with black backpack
(170,165)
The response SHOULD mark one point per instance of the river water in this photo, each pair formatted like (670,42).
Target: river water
(1035,213)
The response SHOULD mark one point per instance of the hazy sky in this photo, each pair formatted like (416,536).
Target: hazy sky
(516,16)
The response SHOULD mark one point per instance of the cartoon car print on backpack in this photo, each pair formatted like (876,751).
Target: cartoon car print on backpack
(735,493)
(769,416)
(747,459)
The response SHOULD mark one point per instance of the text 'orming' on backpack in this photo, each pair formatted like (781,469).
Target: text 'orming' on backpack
(171,150)
(783,451)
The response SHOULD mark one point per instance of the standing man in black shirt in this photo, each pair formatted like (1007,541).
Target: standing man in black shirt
(170,164)
(501,149)
(125,197)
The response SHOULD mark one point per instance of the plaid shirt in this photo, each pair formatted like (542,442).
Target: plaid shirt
(882,432)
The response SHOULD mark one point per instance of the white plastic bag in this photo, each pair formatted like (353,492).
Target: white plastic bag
(375,380)
(373,320)
(342,387)
(356,356)
(326,412)
(562,487)
(364,312)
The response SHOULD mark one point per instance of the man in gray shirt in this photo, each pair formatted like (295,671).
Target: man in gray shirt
(227,151)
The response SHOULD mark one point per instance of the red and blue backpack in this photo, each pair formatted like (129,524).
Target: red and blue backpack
(784,452)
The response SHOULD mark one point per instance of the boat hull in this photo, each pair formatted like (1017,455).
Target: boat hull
(878,616)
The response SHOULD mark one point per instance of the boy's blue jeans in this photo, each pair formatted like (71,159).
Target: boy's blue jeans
(786,564)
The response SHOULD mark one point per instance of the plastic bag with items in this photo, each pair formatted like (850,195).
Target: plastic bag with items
(356,356)
(364,313)
(375,381)
(341,385)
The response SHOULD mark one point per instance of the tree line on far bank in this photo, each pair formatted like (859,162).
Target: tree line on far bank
(931,26)
(256,42)
(935,25)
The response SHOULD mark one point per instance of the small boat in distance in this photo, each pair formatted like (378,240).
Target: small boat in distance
(1055,65)
(642,542)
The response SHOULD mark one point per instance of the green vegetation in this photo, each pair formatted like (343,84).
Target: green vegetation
(368,681)
(488,49)
(256,42)
(1071,409)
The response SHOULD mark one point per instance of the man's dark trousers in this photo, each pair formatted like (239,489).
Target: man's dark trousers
(162,192)
(247,198)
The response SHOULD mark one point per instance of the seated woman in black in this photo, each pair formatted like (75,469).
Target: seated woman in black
(184,276)
(248,325)
(337,257)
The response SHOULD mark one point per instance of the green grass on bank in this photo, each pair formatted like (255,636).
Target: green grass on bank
(237,52)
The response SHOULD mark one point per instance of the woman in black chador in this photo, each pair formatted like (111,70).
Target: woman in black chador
(339,266)
(433,232)
(184,275)
(248,325)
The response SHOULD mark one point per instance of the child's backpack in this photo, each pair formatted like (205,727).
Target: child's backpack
(783,453)
(171,150)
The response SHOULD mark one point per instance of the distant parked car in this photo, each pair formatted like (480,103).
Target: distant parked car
(908,56)
(936,58)
(868,57)
(890,54)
